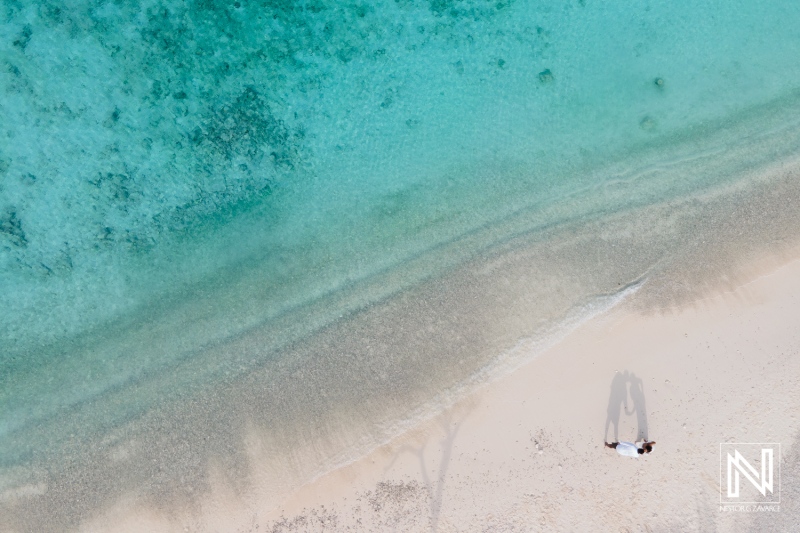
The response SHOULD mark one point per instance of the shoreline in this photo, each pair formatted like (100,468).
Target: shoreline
(538,430)
(178,335)
(525,450)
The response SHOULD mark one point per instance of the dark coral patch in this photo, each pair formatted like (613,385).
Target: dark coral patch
(25,37)
(247,128)
(11,228)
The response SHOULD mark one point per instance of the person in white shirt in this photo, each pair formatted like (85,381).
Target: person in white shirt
(629,449)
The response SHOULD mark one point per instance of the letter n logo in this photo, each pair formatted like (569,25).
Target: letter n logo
(738,464)
(749,467)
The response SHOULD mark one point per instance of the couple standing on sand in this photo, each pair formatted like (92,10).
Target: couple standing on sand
(629,449)
(618,399)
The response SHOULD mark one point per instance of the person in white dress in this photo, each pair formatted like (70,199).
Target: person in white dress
(629,449)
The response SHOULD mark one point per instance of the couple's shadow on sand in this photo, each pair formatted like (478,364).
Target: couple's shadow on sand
(626,385)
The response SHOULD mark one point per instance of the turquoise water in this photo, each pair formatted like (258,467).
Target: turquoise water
(173,174)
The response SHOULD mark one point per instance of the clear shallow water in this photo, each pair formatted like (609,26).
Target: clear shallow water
(172,175)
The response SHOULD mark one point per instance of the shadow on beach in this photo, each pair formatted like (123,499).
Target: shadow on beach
(626,385)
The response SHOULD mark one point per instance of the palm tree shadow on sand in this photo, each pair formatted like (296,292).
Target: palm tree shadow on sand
(623,386)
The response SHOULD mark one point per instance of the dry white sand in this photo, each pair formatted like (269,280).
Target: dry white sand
(525,452)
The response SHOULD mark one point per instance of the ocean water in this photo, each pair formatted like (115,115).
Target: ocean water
(174,175)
